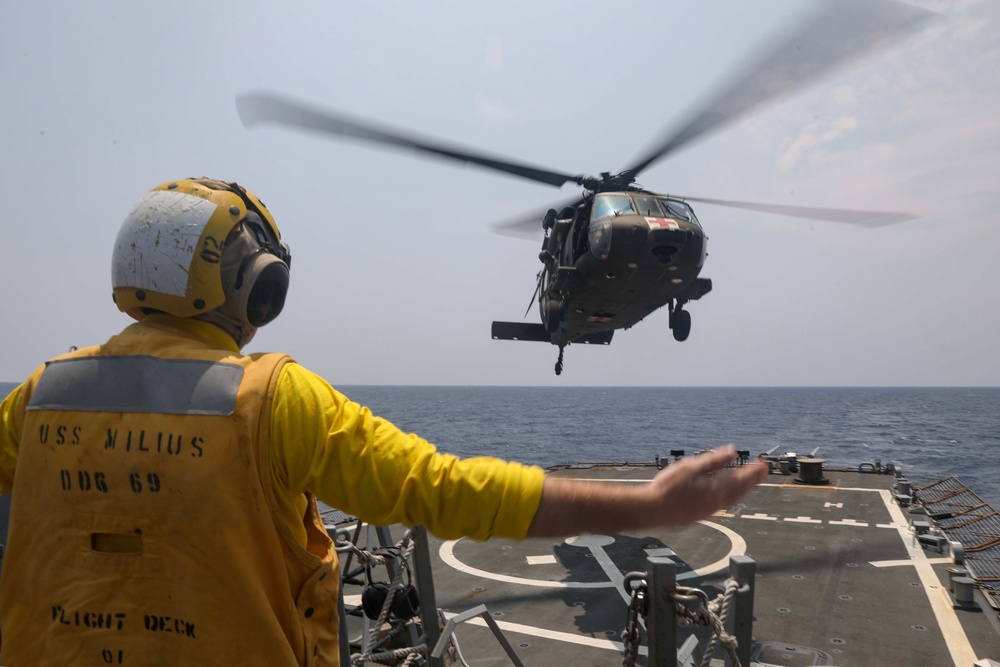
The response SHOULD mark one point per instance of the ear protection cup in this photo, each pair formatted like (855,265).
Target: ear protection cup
(373,599)
(405,602)
(266,297)
(261,281)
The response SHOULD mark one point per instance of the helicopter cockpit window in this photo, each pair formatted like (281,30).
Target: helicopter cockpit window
(605,205)
(678,209)
(649,207)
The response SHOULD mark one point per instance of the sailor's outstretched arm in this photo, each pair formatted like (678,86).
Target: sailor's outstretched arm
(683,492)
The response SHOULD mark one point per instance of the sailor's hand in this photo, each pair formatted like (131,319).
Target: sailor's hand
(686,491)
(698,486)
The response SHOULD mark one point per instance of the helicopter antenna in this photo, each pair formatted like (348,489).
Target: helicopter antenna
(538,288)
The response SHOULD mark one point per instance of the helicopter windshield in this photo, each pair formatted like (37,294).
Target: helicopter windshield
(678,209)
(605,205)
(649,207)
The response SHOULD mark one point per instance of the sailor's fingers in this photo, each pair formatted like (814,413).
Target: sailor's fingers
(694,488)
(710,461)
(735,483)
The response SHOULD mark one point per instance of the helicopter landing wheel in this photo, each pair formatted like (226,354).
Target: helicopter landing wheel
(559,363)
(680,322)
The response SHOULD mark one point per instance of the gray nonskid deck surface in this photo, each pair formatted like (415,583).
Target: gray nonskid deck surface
(837,571)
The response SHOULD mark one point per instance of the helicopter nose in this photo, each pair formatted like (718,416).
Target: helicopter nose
(668,243)
(665,253)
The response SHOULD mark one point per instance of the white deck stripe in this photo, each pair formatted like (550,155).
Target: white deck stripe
(790,486)
(567,637)
(610,479)
(615,575)
(954,634)
(898,563)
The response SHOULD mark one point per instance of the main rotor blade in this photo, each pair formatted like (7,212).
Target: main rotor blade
(839,31)
(257,108)
(854,217)
(529,225)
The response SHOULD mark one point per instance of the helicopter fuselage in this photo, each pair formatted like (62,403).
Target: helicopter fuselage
(620,258)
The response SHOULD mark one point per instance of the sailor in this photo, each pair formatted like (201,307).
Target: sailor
(165,485)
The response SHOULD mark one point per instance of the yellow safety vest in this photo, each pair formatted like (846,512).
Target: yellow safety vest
(143,528)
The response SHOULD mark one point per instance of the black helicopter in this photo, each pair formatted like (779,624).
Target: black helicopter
(618,252)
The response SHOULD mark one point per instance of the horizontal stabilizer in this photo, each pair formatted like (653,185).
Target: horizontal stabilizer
(520,331)
(537,332)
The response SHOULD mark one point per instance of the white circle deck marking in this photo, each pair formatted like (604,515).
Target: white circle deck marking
(447,555)
(590,541)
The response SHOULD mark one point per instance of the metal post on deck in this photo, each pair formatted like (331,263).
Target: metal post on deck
(743,569)
(425,590)
(345,644)
(661,619)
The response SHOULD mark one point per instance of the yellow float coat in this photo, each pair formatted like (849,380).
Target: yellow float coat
(160,531)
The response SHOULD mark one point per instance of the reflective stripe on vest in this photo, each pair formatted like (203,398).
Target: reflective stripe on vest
(138,384)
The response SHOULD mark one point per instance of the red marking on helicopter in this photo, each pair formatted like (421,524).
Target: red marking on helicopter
(662,223)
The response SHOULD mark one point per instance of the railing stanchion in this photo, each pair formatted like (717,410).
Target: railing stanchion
(743,569)
(661,621)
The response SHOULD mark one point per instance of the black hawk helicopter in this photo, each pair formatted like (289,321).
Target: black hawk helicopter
(618,252)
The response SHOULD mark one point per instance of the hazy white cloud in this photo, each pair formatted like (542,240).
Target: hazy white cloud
(924,129)
(816,135)
(971,28)
(944,154)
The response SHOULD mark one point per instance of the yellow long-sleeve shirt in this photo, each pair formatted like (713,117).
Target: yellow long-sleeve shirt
(323,443)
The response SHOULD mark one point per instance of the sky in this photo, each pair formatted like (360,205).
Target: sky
(397,274)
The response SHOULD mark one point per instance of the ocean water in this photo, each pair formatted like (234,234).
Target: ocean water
(931,432)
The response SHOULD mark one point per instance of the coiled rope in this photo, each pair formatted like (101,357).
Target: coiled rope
(705,613)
